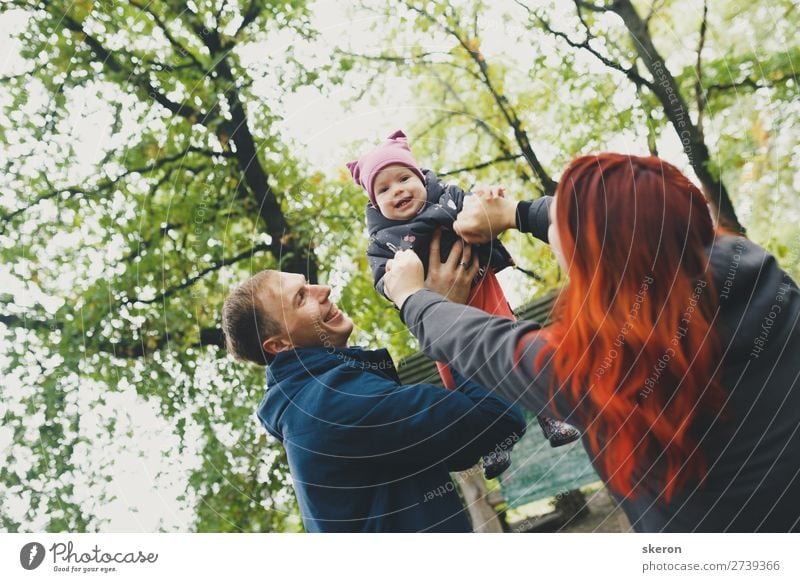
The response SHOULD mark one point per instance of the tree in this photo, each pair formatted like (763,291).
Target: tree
(664,87)
(192,189)
(477,90)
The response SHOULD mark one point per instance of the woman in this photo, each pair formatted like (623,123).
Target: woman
(674,348)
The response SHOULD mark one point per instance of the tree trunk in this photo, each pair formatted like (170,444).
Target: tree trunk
(291,253)
(666,89)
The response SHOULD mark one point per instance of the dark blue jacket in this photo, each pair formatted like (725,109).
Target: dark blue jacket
(369,454)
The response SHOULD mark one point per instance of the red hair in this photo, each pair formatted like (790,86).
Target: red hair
(633,344)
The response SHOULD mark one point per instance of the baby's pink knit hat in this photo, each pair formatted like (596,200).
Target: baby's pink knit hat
(393,151)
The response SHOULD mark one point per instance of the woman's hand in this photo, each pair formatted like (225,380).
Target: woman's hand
(404,276)
(453,278)
(484,216)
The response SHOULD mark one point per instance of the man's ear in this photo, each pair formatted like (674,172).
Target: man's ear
(276,343)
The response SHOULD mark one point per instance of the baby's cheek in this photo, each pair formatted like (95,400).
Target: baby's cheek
(386,210)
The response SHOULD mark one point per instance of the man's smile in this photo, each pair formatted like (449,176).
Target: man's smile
(333,314)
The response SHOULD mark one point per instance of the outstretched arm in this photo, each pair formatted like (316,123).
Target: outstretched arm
(485,216)
(421,425)
(498,353)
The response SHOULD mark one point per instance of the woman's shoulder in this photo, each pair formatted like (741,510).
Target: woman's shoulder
(728,244)
(752,289)
(738,262)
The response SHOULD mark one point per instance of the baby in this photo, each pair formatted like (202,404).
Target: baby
(406,206)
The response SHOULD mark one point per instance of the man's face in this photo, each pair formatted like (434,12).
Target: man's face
(308,317)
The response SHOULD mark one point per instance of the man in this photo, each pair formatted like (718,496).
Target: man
(366,453)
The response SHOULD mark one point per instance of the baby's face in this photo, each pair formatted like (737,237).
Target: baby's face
(399,192)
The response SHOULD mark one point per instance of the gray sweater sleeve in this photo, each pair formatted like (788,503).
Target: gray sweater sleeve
(496,352)
(534,217)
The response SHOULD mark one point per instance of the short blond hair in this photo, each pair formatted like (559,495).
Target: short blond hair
(246,322)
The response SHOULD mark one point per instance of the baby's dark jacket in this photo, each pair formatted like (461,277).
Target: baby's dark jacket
(444,202)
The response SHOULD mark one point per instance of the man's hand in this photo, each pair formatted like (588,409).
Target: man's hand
(404,276)
(453,278)
(485,215)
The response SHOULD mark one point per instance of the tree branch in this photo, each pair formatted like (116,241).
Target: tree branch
(629,72)
(7,78)
(507,110)
(499,140)
(654,6)
(290,255)
(591,7)
(216,266)
(210,336)
(433,125)
(482,165)
(416,59)
(698,85)
(105,184)
(250,14)
(110,62)
(746,83)
(182,50)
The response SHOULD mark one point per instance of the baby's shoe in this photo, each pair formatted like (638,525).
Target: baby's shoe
(495,463)
(557,432)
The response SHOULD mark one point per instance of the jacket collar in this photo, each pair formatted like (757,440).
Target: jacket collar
(303,362)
